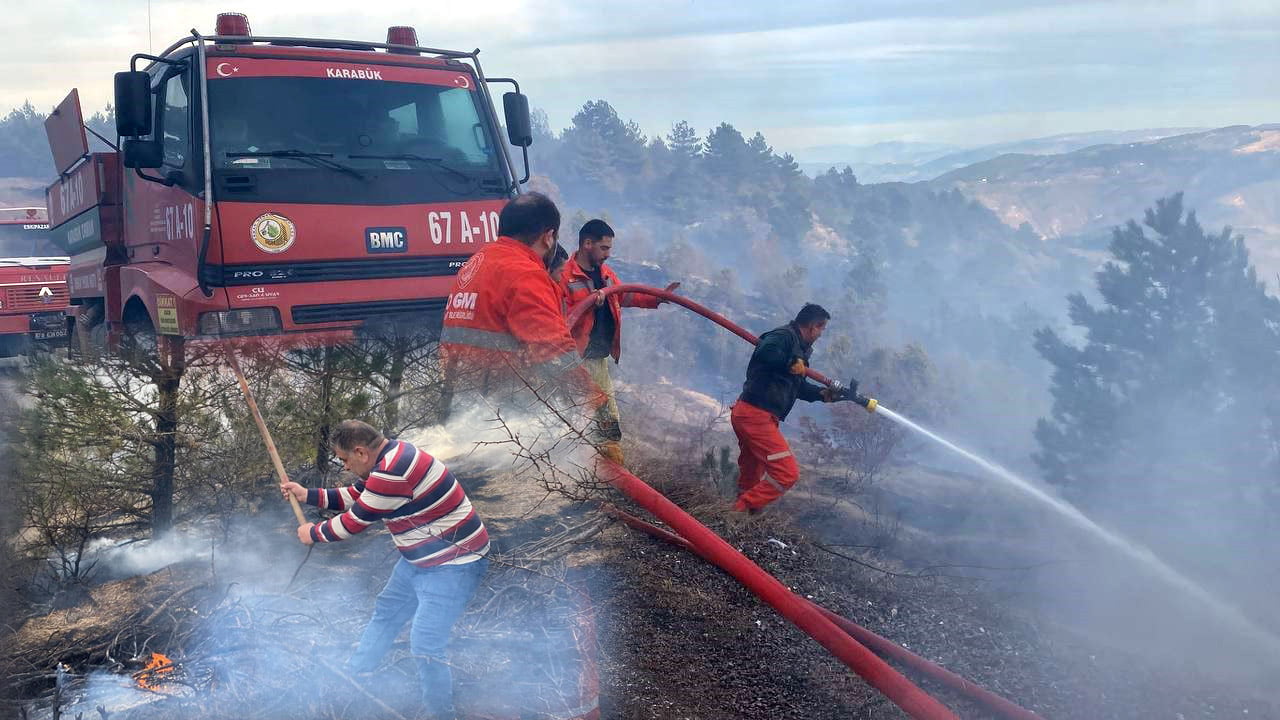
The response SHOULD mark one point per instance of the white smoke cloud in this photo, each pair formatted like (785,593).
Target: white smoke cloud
(124,559)
(478,433)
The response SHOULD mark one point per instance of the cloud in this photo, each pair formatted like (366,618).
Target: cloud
(989,128)
(876,68)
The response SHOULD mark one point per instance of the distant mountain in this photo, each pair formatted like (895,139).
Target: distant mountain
(878,162)
(913,162)
(867,172)
(22,192)
(1231,176)
(1051,145)
(886,153)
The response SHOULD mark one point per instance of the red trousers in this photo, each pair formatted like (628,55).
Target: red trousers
(766,467)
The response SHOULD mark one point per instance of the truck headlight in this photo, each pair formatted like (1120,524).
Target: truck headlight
(250,321)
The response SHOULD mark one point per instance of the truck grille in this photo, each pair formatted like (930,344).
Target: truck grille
(332,270)
(380,310)
(19,298)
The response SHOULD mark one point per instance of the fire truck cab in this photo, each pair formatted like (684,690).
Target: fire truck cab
(283,186)
(33,283)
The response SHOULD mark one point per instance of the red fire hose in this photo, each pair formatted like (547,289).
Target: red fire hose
(577,311)
(815,620)
(916,702)
(992,701)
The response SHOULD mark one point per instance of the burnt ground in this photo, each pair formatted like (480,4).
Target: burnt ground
(683,640)
(676,637)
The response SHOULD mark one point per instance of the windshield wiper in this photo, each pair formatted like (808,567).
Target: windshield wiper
(438,162)
(317,159)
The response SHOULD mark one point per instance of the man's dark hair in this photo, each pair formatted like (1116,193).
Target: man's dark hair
(594,230)
(811,313)
(351,434)
(527,216)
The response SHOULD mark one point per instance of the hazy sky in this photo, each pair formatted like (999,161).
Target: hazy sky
(804,73)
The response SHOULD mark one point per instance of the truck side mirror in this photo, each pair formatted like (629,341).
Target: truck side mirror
(519,128)
(143,153)
(133,105)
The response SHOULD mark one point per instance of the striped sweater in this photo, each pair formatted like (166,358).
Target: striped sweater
(426,510)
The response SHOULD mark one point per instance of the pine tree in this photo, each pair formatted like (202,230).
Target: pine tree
(24,149)
(603,152)
(761,155)
(684,141)
(1177,377)
(727,157)
(678,195)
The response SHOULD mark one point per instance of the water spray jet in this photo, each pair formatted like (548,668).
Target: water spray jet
(1231,616)
(1238,622)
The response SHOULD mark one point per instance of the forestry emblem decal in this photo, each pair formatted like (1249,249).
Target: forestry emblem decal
(273,233)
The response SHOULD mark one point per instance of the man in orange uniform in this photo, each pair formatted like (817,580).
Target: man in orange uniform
(599,334)
(504,325)
(775,380)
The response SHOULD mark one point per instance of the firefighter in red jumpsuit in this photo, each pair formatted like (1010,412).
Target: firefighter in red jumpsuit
(504,327)
(775,380)
(599,333)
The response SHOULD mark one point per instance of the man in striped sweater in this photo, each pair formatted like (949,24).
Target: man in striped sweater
(441,540)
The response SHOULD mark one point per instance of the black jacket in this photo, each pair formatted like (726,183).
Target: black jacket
(770,384)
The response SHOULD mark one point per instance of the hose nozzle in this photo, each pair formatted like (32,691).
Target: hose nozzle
(850,393)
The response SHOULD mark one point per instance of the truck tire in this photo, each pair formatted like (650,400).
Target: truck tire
(139,340)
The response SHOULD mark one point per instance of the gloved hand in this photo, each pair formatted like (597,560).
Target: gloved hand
(841,393)
(608,429)
(797,366)
(611,450)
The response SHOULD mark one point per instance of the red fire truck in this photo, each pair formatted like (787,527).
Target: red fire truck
(33,283)
(282,185)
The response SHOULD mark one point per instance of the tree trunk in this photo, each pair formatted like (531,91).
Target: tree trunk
(172,363)
(323,450)
(395,380)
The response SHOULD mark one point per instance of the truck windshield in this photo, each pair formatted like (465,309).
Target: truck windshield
(26,241)
(281,138)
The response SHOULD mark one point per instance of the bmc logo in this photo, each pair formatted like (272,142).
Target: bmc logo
(464,301)
(386,240)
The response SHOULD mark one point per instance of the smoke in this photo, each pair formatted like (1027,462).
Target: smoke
(116,560)
(243,638)
(474,433)
(114,693)
(519,435)
(1191,491)
(1229,618)
(251,639)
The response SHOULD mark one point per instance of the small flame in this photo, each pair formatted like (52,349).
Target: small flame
(153,674)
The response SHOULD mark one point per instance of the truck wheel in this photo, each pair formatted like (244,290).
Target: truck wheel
(139,339)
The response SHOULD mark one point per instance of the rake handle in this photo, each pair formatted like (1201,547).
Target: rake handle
(266,434)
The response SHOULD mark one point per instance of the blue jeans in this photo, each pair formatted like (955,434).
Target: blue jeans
(434,598)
